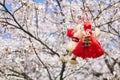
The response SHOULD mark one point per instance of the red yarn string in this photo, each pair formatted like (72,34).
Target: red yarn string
(83,18)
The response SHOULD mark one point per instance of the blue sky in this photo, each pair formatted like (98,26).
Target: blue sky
(9,7)
(42,1)
(70,0)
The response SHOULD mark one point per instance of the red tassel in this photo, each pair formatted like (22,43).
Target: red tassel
(93,51)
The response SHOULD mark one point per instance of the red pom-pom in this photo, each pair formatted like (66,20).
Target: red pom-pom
(70,32)
(87,25)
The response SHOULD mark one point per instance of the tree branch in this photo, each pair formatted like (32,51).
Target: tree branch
(104,10)
(75,70)
(71,13)
(62,70)
(25,76)
(4,2)
(31,35)
(17,9)
(41,61)
(110,65)
(60,7)
(108,22)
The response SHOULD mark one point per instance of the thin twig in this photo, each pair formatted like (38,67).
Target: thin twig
(104,10)
(17,9)
(60,7)
(10,24)
(4,2)
(108,22)
(25,76)
(91,15)
(75,70)
(41,60)
(71,14)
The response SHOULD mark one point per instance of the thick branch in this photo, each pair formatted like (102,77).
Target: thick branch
(110,65)
(62,70)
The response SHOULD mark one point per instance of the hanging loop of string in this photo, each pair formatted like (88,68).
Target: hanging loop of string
(83,18)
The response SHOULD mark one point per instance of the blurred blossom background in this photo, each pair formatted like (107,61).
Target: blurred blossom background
(33,39)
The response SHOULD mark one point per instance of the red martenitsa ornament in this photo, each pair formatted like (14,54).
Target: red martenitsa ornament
(84,43)
(88,46)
